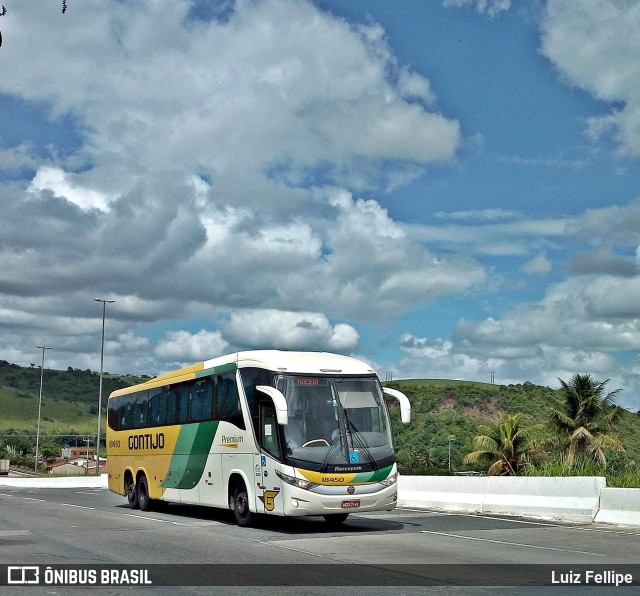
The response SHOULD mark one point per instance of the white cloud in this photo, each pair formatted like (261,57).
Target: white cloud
(289,330)
(540,363)
(595,45)
(590,313)
(479,214)
(191,190)
(425,358)
(539,264)
(518,237)
(491,7)
(182,346)
(278,83)
(17,158)
(61,184)
(414,86)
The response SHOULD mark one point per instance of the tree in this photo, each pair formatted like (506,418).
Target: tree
(581,414)
(507,445)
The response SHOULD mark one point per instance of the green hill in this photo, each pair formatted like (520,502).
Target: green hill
(443,409)
(69,400)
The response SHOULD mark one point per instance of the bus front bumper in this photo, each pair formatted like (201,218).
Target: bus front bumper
(304,502)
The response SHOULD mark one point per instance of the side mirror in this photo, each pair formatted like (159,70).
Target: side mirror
(405,405)
(279,401)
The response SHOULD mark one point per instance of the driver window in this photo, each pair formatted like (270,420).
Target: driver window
(269,430)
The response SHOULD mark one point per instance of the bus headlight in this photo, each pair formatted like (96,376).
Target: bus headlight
(390,480)
(299,482)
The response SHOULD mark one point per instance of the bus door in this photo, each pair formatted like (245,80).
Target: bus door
(269,487)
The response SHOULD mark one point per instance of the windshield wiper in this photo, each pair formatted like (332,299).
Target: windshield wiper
(354,433)
(331,451)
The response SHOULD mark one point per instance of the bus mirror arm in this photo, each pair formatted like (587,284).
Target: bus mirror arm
(279,402)
(405,405)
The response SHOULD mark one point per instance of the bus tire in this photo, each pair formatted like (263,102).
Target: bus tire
(240,505)
(144,501)
(131,491)
(335,519)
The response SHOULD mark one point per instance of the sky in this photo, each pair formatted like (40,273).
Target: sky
(442,188)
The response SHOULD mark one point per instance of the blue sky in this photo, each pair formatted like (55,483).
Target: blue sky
(442,188)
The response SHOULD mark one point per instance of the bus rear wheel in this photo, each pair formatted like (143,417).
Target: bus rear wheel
(144,501)
(240,506)
(131,491)
(335,519)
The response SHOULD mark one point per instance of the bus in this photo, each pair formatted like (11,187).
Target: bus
(258,432)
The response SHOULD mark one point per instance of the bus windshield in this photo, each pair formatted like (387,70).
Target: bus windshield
(336,422)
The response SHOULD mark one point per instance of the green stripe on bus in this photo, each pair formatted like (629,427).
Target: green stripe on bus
(216,370)
(375,476)
(190,454)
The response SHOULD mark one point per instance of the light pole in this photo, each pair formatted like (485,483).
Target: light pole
(451,439)
(104,311)
(43,348)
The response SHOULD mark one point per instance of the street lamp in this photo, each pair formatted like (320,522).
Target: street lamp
(104,310)
(43,348)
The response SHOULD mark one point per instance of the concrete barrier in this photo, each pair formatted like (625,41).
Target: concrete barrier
(569,499)
(619,506)
(57,482)
(446,493)
(572,499)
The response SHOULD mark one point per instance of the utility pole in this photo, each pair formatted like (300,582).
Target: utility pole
(451,439)
(104,311)
(43,348)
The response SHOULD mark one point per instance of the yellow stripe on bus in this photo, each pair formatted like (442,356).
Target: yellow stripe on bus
(328,479)
(184,374)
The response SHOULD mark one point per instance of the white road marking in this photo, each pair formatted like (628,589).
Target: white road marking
(78,506)
(163,521)
(564,550)
(14,533)
(626,531)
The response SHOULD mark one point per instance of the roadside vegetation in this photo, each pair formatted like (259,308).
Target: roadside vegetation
(462,427)
(69,412)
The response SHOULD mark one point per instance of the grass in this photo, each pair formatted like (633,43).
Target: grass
(627,477)
(20,411)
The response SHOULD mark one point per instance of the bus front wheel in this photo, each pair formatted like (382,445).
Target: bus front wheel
(144,501)
(131,492)
(240,506)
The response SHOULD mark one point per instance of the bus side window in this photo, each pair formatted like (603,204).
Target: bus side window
(141,410)
(124,410)
(269,430)
(113,416)
(171,405)
(228,400)
(201,401)
(182,408)
(251,377)
(158,407)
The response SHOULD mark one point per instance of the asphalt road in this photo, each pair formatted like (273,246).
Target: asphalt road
(95,527)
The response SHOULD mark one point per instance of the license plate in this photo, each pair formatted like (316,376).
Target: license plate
(351,504)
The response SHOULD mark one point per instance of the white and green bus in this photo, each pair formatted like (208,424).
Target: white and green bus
(273,432)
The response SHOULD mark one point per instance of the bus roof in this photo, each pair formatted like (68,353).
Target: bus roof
(312,363)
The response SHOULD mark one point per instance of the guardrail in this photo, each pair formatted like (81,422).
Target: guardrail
(578,499)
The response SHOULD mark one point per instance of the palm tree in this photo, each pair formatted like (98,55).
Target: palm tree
(507,445)
(581,414)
